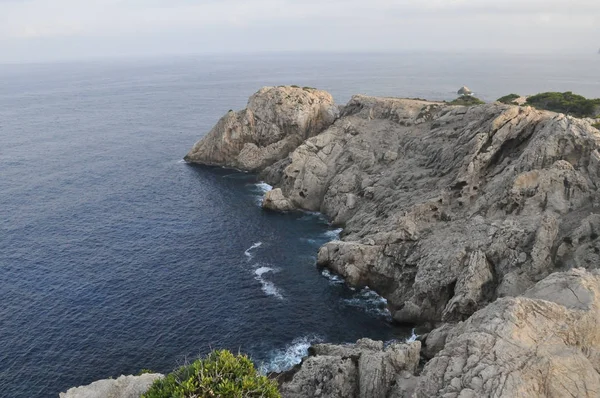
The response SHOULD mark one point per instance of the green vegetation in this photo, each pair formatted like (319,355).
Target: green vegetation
(293,85)
(466,100)
(509,99)
(568,103)
(145,371)
(596,125)
(220,374)
(307,88)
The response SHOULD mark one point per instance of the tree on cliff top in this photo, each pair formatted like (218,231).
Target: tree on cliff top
(568,103)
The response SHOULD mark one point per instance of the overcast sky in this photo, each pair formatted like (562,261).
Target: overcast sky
(39,30)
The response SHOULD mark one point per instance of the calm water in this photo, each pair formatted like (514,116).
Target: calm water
(116,256)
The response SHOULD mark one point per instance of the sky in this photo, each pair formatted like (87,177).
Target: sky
(54,30)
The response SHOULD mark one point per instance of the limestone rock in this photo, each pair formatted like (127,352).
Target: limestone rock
(544,344)
(275,200)
(275,122)
(481,202)
(365,369)
(122,387)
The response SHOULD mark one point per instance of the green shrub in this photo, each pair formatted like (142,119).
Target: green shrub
(466,100)
(568,103)
(596,125)
(509,99)
(220,374)
(293,85)
(145,371)
(307,88)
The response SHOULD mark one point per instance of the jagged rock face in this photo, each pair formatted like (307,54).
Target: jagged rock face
(447,208)
(275,122)
(365,369)
(544,344)
(122,387)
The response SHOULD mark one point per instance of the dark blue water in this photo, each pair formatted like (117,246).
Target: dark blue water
(116,256)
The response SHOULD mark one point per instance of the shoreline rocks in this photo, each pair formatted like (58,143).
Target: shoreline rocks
(481,223)
(457,215)
(122,387)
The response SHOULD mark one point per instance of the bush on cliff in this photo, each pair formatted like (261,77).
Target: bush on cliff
(509,99)
(220,374)
(568,103)
(466,100)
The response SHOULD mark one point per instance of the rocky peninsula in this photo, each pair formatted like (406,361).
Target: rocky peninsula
(480,224)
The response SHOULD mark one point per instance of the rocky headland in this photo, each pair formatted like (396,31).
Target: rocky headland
(476,222)
(480,224)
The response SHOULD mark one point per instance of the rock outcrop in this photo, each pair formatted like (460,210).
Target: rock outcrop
(122,387)
(366,369)
(446,208)
(274,200)
(275,122)
(543,344)
(477,221)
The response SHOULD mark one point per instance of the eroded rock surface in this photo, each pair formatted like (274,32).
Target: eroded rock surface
(446,208)
(122,387)
(275,122)
(543,344)
(465,218)
(365,369)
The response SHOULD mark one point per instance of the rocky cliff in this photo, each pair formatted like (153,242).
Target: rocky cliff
(481,223)
(275,122)
(450,211)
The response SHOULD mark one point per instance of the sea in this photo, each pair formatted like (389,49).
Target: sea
(117,256)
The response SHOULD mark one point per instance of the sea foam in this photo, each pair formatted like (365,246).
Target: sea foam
(268,287)
(369,301)
(292,354)
(248,251)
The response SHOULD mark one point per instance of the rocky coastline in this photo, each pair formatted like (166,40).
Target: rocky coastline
(480,224)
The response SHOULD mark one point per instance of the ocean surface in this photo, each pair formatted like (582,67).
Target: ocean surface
(116,256)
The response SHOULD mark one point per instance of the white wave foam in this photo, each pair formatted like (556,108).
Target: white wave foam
(333,234)
(369,301)
(291,355)
(261,188)
(268,287)
(334,279)
(413,337)
(248,252)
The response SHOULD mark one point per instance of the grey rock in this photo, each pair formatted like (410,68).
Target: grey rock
(436,340)
(464,90)
(274,200)
(275,122)
(365,369)
(458,205)
(545,343)
(122,387)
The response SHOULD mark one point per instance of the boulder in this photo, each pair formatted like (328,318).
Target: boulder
(464,90)
(274,200)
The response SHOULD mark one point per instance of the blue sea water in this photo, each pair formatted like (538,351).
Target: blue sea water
(116,256)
